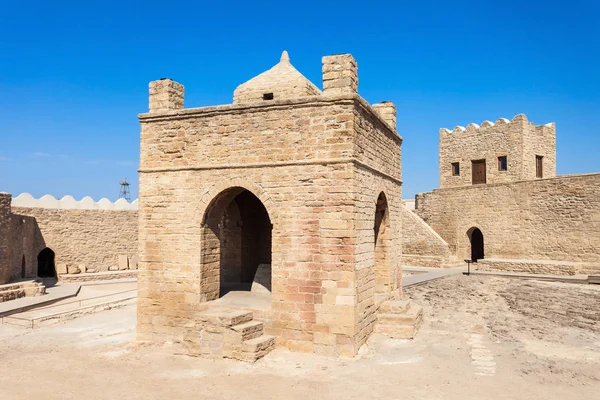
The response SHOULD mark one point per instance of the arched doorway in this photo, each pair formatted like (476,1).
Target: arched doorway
(381,231)
(46,267)
(23,269)
(236,250)
(476,239)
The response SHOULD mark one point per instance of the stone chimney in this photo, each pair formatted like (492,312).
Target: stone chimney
(340,74)
(165,95)
(387,111)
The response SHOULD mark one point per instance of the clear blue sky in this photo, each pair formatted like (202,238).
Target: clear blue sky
(74,74)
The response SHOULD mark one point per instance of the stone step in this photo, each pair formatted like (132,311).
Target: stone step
(8,295)
(412,315)
(224,317)
(394,306)
(396,331)
(256,348)
(249,330)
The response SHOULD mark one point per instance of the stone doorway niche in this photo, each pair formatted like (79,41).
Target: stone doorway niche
(476,239)
(23,269)
(236,250)
(46,268)
(383,282)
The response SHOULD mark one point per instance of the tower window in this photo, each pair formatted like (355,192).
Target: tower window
(268,96)
(455,169)
(538,167)
(502,163)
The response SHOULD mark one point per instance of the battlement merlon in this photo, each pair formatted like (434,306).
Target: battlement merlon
(5,201)
(501,122)
(340,74)
(165,95)
(387,111)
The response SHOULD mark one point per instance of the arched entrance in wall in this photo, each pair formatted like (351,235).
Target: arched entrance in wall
(46,268)
(476,239)
(236,245)
(382,245)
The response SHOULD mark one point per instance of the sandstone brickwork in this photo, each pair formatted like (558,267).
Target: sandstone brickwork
(550,222)
(519,140)
(90,239)
(326,168)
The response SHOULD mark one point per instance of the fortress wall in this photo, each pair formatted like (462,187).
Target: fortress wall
(546,219)
(85,234)
(90,238)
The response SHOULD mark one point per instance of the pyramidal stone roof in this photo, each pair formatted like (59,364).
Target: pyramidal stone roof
(281,82)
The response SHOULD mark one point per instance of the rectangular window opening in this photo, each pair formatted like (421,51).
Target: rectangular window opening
(268,96)
(539,173)
(455,169)
(502,163)
(478,171)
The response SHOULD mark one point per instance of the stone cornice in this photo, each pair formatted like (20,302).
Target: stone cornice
(312,101)
(271,164)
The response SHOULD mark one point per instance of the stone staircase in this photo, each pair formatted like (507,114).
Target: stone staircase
(399,319)
(17,290)
(229,333)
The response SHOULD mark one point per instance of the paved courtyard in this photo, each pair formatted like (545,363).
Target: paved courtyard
(483,338)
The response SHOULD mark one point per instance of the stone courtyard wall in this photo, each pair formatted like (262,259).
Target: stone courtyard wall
(554,219)
(93,239)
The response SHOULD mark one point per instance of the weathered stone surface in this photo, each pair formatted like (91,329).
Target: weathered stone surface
(123,262)
(73,270)
(61,268)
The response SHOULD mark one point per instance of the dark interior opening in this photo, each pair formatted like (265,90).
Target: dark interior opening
(245,237)
(23,269)
(268,96)
(46,268)
(477,252)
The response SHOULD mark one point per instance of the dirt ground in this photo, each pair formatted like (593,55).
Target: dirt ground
(483,338)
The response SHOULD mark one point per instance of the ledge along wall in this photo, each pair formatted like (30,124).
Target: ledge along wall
(91,236)
(555,221)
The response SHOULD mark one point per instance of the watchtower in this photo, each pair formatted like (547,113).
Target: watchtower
(504,151)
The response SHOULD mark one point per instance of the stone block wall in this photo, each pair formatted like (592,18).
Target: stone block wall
(519,140)
(546,219)
(421,245)
(93,239)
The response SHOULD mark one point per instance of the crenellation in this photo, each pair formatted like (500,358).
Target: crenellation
(26,200)
(516,140)
(165,95)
